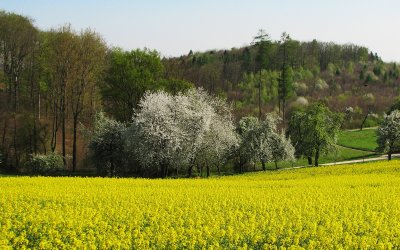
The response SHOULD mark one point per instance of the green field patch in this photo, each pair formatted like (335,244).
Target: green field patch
(358,139)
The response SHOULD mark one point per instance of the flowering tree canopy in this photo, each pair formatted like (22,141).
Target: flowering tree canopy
(260,141)
(176,130)
(389,134)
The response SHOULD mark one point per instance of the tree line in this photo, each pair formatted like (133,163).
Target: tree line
(67,101)
(53,82)
(284,75)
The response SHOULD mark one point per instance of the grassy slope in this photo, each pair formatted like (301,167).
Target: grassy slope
(359,139)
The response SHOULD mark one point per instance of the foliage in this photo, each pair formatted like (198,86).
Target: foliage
(321,85)
(314,130)
(300,102)
(45,164)
(249,87)
(172,130)
(261,142)
(174,86)
(130,74)
(300,88)
(107,146)
(388,134)
(285,86)
(337,207)
(394,106)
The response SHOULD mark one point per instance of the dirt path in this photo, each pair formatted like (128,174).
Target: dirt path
(357,129)
(378,158)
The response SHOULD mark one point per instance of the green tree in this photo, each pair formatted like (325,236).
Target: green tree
(314,131)
(369,100)
(285,88)
(175,86)
(107,146)
(130,74)
(263,43)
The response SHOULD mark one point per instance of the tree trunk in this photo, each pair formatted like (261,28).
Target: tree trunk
(54,131)
(63,127)
(316,157)
(16,156)
(112,167)
(35,142)
(259,96)
(63,139)
(276,165)
(190,171)
(208,171)
(163,170)
(364,120)
(263,165)
(74,145)
(219,170)
(279,106)
(389,155)
(3,140)
(309,160)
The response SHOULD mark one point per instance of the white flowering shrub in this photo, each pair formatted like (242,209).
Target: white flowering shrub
(45,164)
(321,84)
(300,88)
(301,101)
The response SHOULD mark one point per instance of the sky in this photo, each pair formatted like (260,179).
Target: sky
(174,27)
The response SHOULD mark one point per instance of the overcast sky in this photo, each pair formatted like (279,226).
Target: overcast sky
(173,27)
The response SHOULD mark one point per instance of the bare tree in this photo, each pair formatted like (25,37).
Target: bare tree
(88,67)
(18,37)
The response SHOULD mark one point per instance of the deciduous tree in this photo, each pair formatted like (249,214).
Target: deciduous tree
(388,134)
(314,131)
(130,74)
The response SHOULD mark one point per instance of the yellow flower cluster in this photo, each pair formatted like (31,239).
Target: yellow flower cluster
(350,207)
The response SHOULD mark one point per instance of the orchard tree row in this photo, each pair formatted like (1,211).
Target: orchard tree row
(194,131)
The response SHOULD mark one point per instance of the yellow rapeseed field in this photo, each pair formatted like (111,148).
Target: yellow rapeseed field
(350,207)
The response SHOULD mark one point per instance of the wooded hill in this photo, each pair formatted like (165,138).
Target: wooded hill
(52,83)
(343,76)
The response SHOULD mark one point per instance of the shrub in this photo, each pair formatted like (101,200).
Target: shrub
(301,88)
(45,164)
(107,146)
(321,85)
